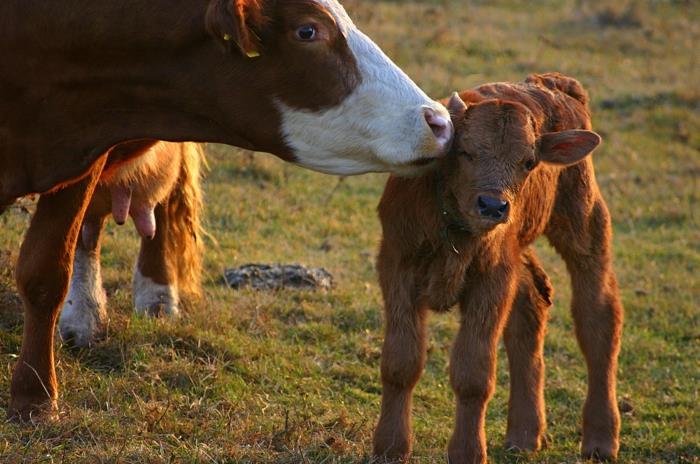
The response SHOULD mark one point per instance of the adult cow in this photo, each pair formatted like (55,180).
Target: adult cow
(292,77)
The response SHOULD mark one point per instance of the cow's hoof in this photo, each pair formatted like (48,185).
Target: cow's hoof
(154,300)
(82,325)
(77,339)
(32,408)
(156,310)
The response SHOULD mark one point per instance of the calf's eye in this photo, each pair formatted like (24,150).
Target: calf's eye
(530,164)
(306,33)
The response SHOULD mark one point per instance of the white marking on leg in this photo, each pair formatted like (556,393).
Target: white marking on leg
(153,299)
(84,318)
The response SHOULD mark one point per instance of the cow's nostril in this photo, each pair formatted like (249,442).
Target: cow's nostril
(440,125)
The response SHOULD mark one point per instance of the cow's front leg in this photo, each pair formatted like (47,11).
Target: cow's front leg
(483,308)
(43,273)
(84,318)
(155,279)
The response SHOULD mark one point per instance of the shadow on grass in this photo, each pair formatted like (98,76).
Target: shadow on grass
(106,357)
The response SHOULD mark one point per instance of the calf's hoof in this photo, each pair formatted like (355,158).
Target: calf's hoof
(524,442)
(464,455)
(391,449)
(601,431)
(600,451)
(381,459)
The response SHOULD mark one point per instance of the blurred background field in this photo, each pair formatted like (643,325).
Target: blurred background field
(291,377)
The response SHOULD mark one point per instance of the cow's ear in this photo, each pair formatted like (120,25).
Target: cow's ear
(566,147)
(233,23)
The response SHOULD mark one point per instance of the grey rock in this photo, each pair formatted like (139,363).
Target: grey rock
(278,276)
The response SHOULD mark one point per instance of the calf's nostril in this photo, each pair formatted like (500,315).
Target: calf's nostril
(492,207)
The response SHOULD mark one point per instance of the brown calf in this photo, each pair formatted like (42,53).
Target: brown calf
(457,236)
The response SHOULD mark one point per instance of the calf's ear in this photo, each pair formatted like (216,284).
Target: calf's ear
(233,23)
(566,147)
(456,106)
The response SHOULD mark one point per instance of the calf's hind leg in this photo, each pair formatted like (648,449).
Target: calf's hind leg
(524,340)
(43,273)
(597,313)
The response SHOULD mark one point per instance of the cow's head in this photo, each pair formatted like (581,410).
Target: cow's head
(497,146)
(340,104)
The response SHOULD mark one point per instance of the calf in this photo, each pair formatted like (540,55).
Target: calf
(460,235)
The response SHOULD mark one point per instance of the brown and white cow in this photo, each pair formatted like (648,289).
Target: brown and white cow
(295,78)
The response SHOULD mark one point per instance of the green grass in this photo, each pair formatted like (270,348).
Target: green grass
(290,377)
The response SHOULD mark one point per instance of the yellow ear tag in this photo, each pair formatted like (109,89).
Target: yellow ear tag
(249,54)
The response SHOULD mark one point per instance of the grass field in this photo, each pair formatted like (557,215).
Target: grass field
(293,377)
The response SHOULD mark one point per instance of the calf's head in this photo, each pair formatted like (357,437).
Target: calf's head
(497,146)
(342,106)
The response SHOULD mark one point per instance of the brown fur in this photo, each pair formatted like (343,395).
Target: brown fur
(169,79)
(438,250)
(48,248)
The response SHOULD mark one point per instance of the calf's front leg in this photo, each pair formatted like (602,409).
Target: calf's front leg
(403,359)
(483,309)
(524,340)
(43,273)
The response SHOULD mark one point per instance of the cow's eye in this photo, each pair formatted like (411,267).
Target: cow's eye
(530,164)
(306,33)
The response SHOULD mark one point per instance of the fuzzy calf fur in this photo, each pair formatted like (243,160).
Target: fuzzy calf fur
(460,234)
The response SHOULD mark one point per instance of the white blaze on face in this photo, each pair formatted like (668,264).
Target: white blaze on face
(381,126)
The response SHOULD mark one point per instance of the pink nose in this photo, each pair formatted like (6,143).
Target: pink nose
(440,125)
